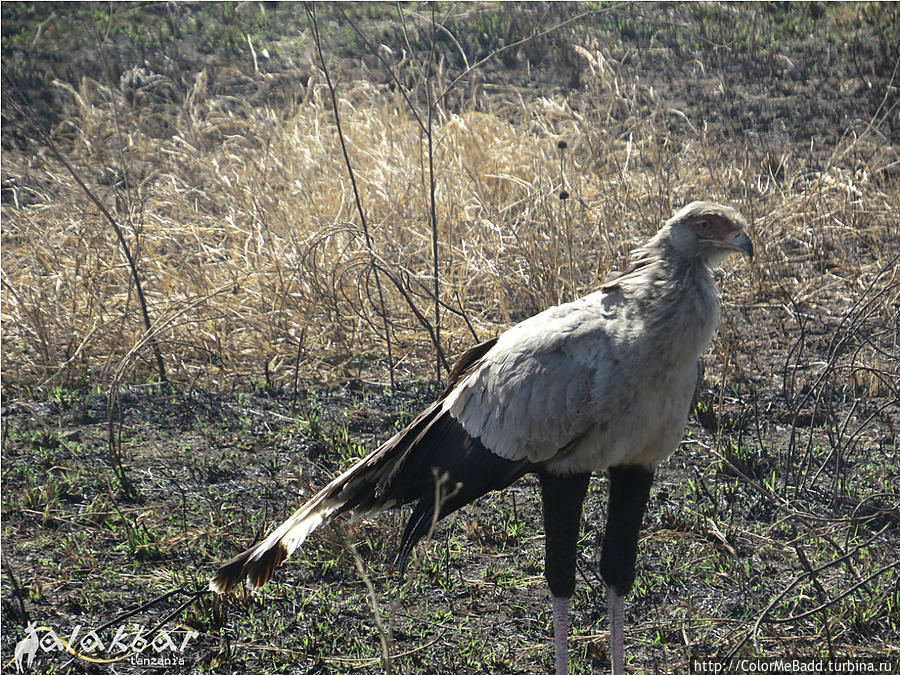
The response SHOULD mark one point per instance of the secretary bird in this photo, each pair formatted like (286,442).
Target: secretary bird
(604,382)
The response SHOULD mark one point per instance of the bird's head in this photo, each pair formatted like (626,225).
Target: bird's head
(710,231)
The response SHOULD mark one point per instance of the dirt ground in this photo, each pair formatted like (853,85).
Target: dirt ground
(771,532)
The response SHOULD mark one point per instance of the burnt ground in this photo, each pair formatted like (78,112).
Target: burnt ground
(722,538)
(772,531)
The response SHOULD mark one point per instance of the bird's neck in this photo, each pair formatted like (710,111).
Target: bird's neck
(679,299)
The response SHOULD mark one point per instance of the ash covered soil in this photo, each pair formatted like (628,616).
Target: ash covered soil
(772,531)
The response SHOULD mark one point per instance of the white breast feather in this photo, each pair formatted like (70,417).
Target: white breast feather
(583,386)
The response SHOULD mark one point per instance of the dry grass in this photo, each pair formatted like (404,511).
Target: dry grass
(246,234)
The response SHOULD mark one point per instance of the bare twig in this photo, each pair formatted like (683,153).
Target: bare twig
(755,629)
(881,570)
(297,369)
(132,265)
(434,235)
(384,632)
(314,28)
(402,289)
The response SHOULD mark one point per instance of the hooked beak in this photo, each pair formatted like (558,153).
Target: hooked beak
(742,244)
(739,243)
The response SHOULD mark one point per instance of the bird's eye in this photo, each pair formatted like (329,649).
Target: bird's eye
(704,225)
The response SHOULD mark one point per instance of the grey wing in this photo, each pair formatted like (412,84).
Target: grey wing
(542,386)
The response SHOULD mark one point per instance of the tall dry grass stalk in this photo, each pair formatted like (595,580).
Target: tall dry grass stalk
(244,228)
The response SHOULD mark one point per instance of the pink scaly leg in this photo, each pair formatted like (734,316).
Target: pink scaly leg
(616,632)
(561,633)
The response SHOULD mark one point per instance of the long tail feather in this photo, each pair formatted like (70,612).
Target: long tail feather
(400,471)
(259,563)
(359,488)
